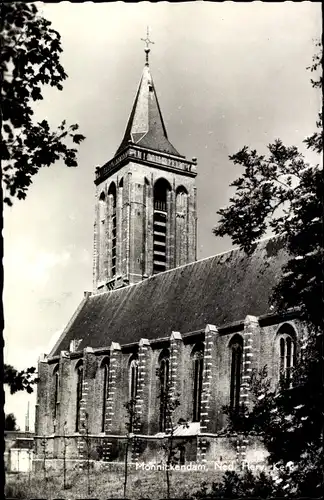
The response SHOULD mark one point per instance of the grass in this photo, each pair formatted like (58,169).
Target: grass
(109,484)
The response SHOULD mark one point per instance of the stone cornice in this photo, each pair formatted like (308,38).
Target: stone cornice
(144,156)
(264,320)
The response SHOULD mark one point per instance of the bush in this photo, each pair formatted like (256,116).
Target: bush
(245,484)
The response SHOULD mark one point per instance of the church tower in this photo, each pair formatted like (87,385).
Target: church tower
(145,220)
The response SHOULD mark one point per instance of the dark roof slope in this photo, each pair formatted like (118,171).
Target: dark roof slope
(218,290)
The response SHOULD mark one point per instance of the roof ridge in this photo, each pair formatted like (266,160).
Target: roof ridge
(234,249)
(164,272)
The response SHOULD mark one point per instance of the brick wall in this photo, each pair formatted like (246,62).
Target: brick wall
(259,348)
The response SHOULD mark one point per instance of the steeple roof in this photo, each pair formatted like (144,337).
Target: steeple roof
(145,126)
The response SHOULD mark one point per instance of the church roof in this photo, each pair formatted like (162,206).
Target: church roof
(145,126)
(219,290)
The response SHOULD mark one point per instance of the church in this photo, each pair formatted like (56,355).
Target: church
(158,318)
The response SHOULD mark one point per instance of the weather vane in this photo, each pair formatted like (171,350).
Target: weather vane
(147,41)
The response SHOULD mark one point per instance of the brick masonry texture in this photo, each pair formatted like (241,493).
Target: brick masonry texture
(216,387)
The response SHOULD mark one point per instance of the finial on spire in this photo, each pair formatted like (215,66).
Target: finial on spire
(147,48)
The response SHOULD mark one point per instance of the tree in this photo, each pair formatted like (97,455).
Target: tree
(132,421)
(29,59)
(284,194)
(10,422)
(87,438)
(170,401)
(65,445)
(20,380)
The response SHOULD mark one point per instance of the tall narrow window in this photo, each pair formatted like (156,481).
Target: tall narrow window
(105,390)
(79,371)
(146,197)
(133,382)
(102,236)
(56,384)
(181,226)
(113,226)
(287,350)
(236,347)
(133,378)
(160,219)
(197,371)
(164,366)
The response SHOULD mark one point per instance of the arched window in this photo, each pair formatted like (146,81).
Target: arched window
(146,218)
(236,347)
(105,368)
(79,373)
(160,219)
(164,366)
(112,195)
(181,197)
(181,226)
(133,378)
(56,385)
(197,356)
(133,382)
(102,235)
(286,338)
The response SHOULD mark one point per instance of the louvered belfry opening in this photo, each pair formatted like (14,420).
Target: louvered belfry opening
(160,221)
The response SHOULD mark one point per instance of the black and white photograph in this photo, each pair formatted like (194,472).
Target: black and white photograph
(162,201)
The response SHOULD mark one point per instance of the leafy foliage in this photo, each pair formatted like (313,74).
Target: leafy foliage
(10,422)
(20,380)
(29,59)
(242,485)
(284,194)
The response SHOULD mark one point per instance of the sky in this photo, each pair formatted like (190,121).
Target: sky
(226,74)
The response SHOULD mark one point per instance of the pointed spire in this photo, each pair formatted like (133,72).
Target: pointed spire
(145,126)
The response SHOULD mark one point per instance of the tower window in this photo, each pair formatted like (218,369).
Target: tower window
(113,231)
(79,372)
(236,347)
(105,392)
(181,236)
(160,220)
(197,370)
(164,366)
(102,235)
